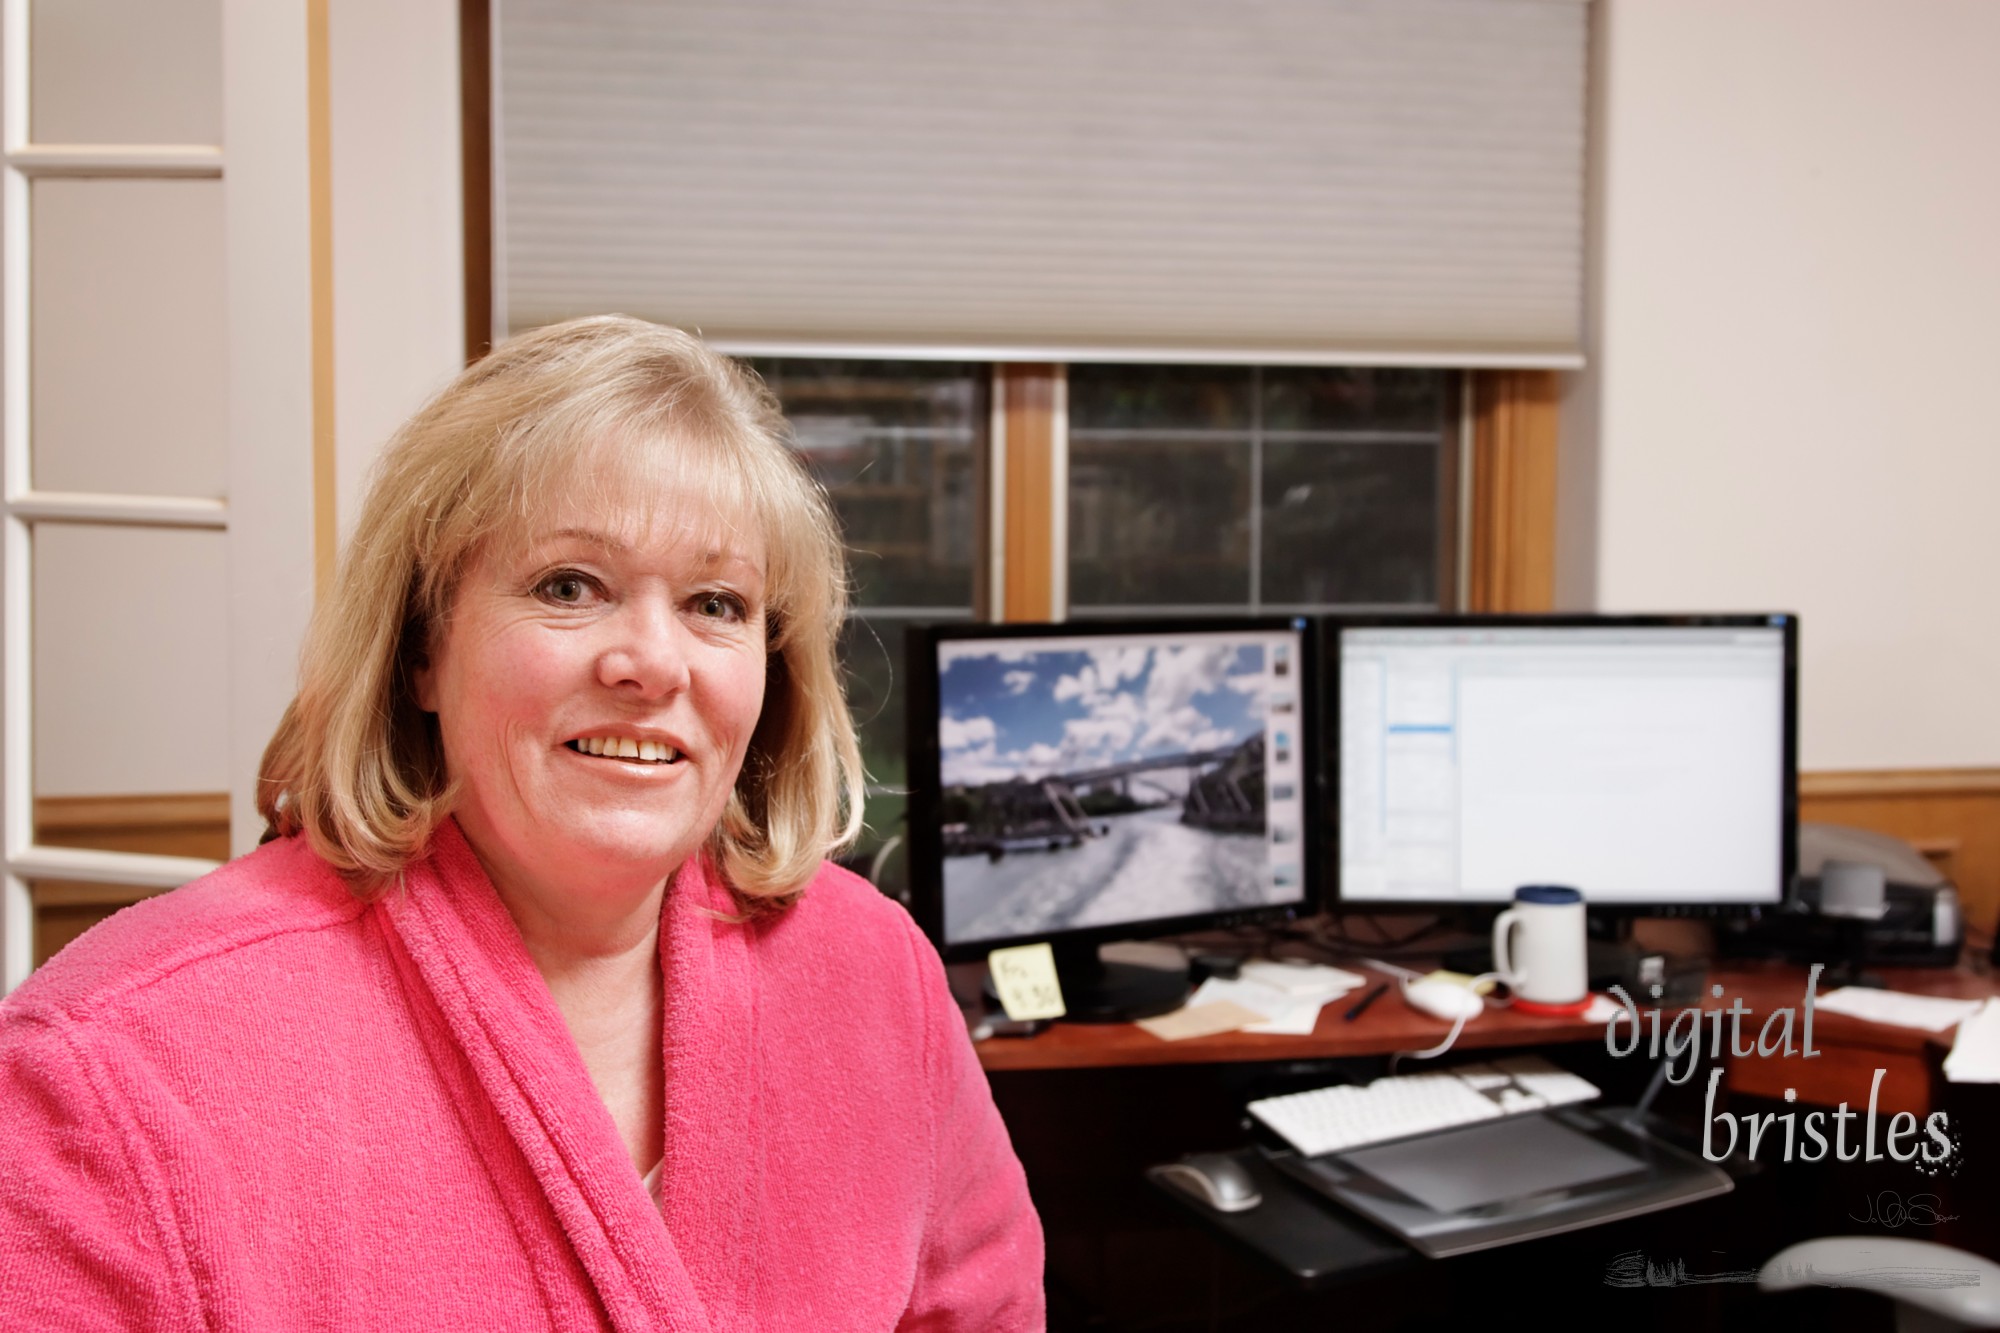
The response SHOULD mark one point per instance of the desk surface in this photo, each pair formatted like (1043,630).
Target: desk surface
(1391,1025)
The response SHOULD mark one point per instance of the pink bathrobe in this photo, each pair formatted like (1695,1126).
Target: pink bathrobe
(257,1103)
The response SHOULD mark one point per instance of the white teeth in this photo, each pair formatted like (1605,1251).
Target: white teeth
(620,747)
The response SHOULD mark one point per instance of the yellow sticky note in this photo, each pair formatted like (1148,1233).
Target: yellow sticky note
(1024,977)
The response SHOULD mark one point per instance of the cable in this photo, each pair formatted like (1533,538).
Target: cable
(1382,940)
(1458,1024)
(882,853)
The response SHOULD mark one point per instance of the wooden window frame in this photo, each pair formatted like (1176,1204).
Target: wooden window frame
(1512,560)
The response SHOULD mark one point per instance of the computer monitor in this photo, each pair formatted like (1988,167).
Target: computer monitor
(1648,761)
(1086,782)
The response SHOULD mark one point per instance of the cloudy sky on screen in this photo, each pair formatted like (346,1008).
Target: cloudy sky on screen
(1011,712)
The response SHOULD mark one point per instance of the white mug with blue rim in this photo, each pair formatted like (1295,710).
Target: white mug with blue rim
(1539,949)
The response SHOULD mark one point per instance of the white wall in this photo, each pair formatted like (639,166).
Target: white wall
(398,230)
(267,128)
(1796,330)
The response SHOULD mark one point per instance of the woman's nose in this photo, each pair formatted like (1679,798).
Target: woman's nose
(647,654)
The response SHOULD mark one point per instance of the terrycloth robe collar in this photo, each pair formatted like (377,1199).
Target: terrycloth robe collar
(501,1040)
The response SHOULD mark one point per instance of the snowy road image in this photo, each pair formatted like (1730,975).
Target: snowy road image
(1148,867)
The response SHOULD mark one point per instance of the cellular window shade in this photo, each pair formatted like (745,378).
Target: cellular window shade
(1281,180)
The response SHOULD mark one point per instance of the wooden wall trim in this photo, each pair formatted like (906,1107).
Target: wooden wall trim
(165,824)
(475,115)
(319,152)
(1030,400)
(1914,782)
(60,814)
(168,824)
(1512,559)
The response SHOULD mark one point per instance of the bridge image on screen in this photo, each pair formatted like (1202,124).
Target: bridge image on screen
(1105,785)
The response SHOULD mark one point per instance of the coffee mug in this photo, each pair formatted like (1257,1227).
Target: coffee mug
(1538,946)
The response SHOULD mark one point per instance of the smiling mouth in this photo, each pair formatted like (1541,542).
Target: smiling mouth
(627,749)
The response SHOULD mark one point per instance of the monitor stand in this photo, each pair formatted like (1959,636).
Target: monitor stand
(1095,991)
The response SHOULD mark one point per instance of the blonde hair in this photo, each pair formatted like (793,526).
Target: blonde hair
(357,766)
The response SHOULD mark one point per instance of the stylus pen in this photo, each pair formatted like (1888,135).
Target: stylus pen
(1361,1005)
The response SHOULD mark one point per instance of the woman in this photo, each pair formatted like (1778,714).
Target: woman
(539,1007)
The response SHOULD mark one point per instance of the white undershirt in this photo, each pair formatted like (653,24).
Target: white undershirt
(652,1184)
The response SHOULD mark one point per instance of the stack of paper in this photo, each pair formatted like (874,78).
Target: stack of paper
(1286,997)
(1975,1056)
(1930,1012)
(1602,1009)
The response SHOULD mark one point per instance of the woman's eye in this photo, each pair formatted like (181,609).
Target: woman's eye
(719,606)
(564,589)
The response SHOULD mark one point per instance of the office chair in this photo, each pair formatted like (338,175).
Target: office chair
(1934,1287)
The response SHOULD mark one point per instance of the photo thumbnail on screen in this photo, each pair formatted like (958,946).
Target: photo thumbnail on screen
(1107,779)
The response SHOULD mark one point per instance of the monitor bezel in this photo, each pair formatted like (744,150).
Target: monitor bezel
(925,769)
(1337,899)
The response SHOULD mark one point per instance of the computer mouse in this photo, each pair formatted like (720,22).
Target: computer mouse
(1443,999)
(1217,1179)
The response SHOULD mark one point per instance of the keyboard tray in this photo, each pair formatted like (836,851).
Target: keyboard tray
(1498,1182)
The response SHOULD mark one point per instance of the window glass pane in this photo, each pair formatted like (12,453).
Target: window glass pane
(895,444)
(1160,398)
(1254,487)
(898,446)
(1350,524)
(1351,462)
(1348,398)
(1158,522)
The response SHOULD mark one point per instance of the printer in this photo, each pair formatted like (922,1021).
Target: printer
(1922,927)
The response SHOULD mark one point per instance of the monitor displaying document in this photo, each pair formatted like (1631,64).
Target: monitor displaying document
(1647,761)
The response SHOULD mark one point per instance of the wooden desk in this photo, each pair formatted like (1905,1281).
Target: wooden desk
(1850,1049)
(1089,1108)
(1389,1025)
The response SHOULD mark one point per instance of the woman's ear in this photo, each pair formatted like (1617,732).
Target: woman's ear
(423,672)
(414,658)
(424,683)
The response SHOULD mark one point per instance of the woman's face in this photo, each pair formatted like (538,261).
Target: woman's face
(596,692)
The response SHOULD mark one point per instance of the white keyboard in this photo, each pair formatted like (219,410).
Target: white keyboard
(1335,1119)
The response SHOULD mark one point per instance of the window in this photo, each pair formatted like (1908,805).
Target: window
(1249,488)
(899,447)
(1188,489)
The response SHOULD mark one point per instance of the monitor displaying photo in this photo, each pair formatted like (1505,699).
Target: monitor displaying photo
(1107,778)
